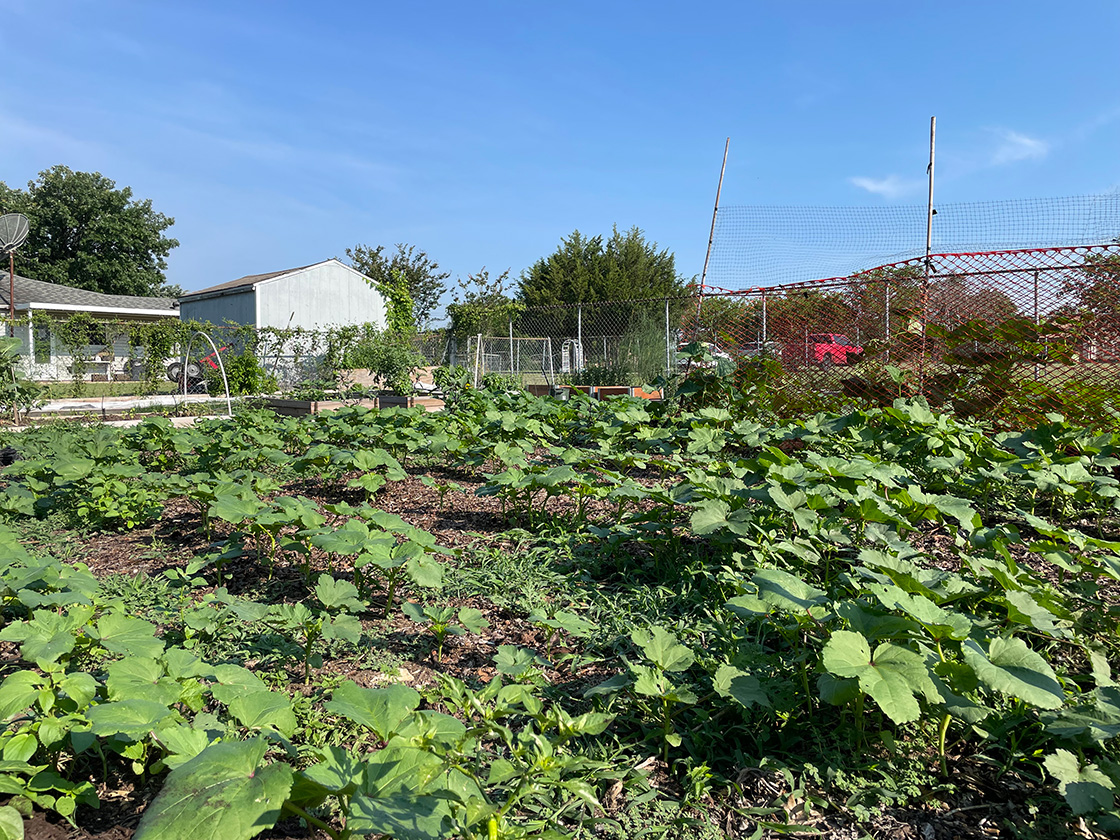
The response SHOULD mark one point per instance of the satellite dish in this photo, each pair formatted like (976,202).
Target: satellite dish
(13,231)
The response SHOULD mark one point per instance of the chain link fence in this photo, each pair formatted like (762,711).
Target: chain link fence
(611,343)
(1019,332)
(1015,333)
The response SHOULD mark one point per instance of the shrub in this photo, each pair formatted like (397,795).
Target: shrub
(604,374)
(245,374)
(389,356)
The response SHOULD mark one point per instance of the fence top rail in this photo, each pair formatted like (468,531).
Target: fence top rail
(941,265)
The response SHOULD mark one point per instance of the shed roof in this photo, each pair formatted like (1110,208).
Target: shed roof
(33,293)
(249,280)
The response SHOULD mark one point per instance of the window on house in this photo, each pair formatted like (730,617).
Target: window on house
(42,345)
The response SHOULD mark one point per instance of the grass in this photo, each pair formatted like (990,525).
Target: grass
(64,390)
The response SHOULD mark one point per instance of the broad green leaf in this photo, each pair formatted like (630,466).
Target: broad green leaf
(139,677)
(572,624)
(939,622)
(224,793)
(836,691)
(789,502)
(748,606)
(46,637)
(649,682)
(473,619)
(233,681)
(892,677)
(11,823)
(22,747)
(133,718)
(873,624)
(343,628)
(182,664)
(713,516)
(514,661)
(662,648)
(1084,787)
(337,771)
(1024,609)
(235,509)
(611,685)
(1012,668)
(379,709)
(129,636)
(415,612)
(350,538)
(951,507)
(428,726)
(1090,723)
(739,686)
(401,817)
(263,709)
(183,742)
(18,691)
(787,592)
(338,594)
(425,570)
(73,469)
(79,687)
(399,768)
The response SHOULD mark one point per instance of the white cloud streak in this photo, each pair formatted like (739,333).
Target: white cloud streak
(1015,147)
(891,187)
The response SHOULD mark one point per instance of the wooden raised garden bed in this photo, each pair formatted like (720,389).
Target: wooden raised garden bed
(299,408)
(394,401)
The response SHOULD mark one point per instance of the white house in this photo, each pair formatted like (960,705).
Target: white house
(326,294)
(108,351)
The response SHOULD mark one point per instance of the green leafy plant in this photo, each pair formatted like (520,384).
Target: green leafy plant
(335,622)
(439,620)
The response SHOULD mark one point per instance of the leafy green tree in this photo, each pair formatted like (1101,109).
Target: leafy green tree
(625,267)
(899,287)
(88,234)
(953,302)
(1094,289)
(482,305)
(425,280)
(582,270)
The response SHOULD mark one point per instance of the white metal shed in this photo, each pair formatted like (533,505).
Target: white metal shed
(326,294)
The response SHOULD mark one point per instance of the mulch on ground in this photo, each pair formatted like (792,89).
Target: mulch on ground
(983,807)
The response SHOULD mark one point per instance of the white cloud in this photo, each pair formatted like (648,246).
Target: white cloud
(25,136)
(1015,147)
(890,187)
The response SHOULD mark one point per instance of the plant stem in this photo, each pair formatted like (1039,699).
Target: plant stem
(315,821)
(942,731)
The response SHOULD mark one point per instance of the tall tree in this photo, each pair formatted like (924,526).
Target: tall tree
(624,267)
(87,233)
(425,280)
(582,270)
(481,305)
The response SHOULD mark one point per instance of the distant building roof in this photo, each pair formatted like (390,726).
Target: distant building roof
(37,294)
(248,281)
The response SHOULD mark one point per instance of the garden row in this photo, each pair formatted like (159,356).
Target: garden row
(874,607)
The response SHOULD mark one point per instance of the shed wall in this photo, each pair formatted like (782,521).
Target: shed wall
(322,296)
(239,308)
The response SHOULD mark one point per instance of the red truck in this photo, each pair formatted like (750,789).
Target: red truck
(828,349)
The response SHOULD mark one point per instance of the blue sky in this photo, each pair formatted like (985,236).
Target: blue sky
(278,134)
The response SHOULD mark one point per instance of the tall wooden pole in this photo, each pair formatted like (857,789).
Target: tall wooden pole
(711,236)
(929,250)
